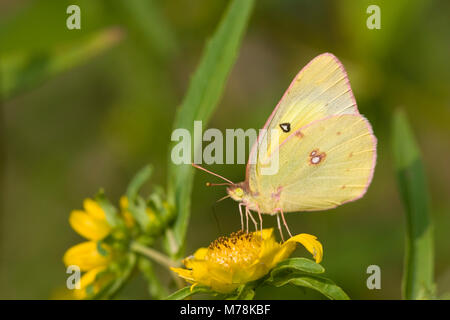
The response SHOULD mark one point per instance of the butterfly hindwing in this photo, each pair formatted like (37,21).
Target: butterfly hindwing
(321,166)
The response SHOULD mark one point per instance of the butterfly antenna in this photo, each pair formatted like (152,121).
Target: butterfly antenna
(215,218)
(223,198)
(214,174)
(209,184)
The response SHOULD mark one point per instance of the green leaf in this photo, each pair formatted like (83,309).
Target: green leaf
(138,209)
(244,292)
(419,256)
(155,288)
(136,205)
(297,264)
(147,18)
(112,216)
(187,292)
(323,285)
(124,271)
(23,70)
(138,181)
(204,92)
(100,249)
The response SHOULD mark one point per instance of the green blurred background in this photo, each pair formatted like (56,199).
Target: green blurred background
(110,112)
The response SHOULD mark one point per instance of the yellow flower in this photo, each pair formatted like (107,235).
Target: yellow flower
(86,256)
(91,223)
(242,257)
(89,256)
(127,216)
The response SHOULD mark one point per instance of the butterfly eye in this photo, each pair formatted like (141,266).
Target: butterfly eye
(286,127)
(239,192)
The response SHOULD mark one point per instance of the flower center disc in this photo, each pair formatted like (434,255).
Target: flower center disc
(239,249)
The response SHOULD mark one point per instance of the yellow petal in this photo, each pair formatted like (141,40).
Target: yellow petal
(200,253)
(283,252)
(88,226)
(127,216)
(266,233)
(216,272)
(184,273)
(94,209)
(310,243)
(269,250)
(86,256)
(87,279)
(223,287)
(193,286)
(123,203)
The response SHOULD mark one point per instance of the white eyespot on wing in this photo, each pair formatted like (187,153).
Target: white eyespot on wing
(315,160)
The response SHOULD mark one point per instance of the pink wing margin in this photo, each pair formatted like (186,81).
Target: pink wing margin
(341,66)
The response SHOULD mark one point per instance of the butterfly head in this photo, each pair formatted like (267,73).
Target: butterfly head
(237,191)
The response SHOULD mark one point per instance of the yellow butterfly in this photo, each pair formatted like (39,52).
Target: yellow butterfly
(326,149)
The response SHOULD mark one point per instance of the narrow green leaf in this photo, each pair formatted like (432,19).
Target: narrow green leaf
(147,18)
(418,275)
(187,292)
(137,182)
(112,216)
(155,288)
(203,95)
(136,205)
(125,267)
(297,264)
(23,70)
(138,209)
(244,292)
(323,285)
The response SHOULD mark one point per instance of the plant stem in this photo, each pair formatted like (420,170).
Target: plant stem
(160,258)
(154,255)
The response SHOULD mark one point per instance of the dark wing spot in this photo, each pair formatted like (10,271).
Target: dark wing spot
(338,133)
(299,134)
(286,127)
(343,187)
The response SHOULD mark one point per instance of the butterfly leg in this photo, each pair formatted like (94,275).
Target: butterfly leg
(242,216)
(260,219)
(253,219)
(246,217)
(285,224)
(279,227)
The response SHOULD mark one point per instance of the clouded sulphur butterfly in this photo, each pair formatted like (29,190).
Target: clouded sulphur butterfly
(326,148)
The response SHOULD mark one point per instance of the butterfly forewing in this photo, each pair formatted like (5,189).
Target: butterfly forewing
(319,90)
